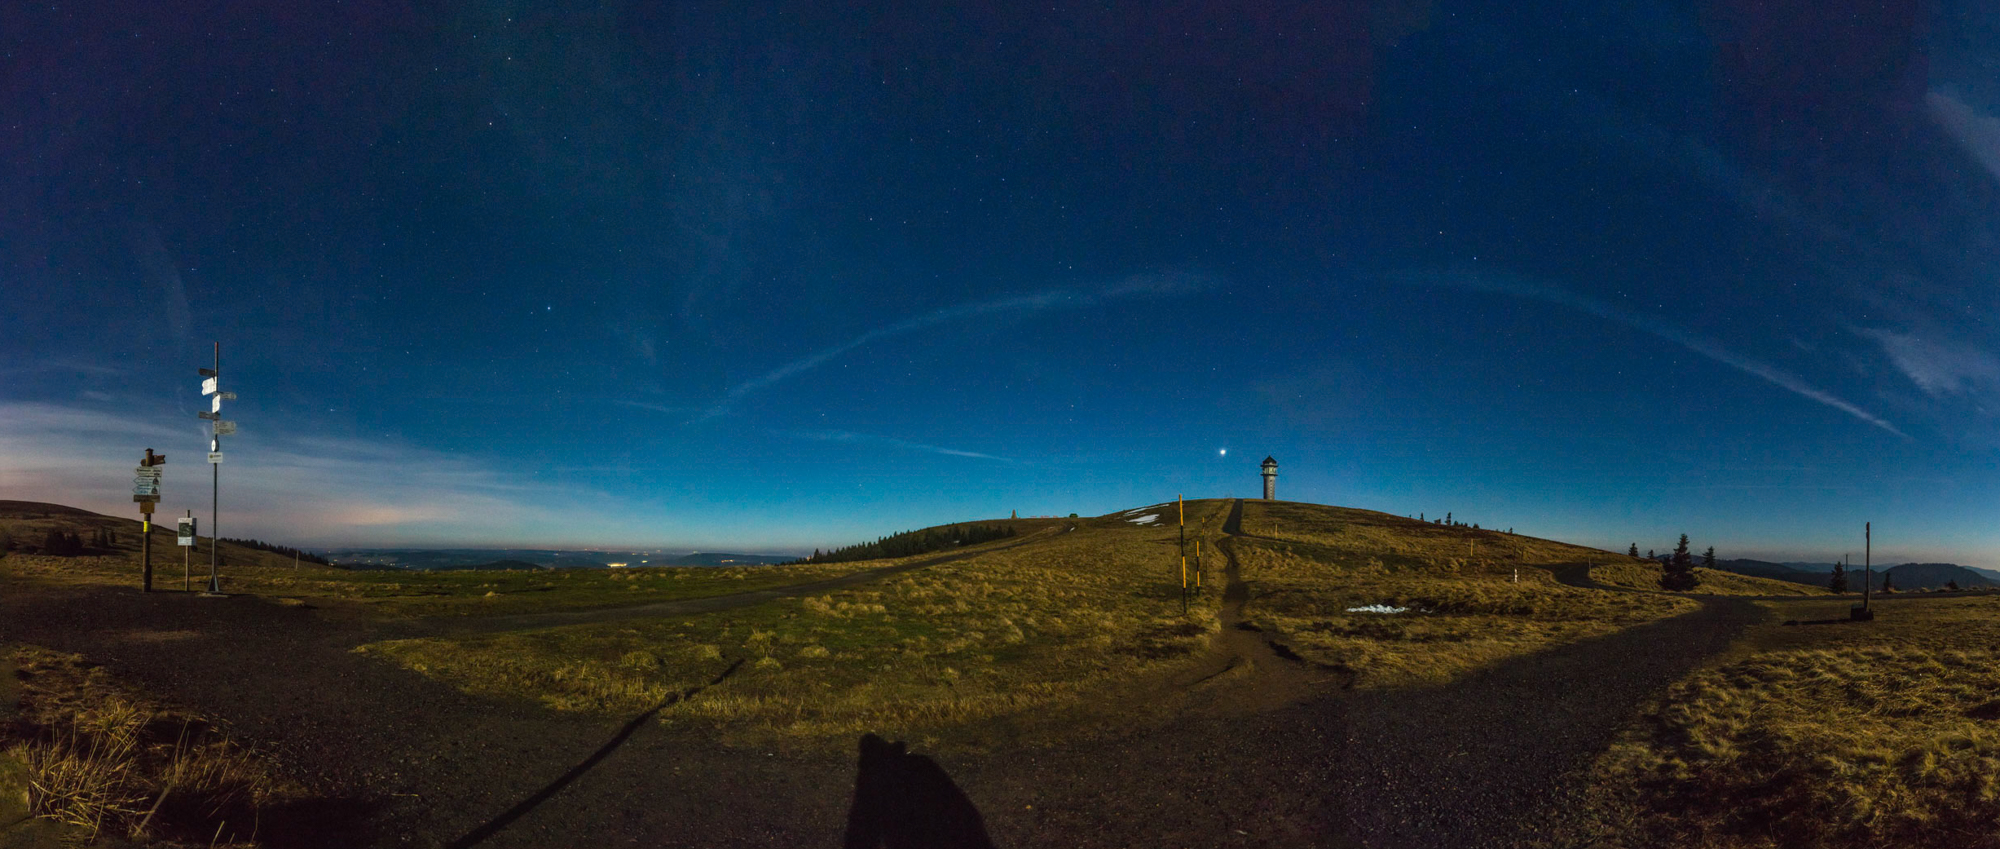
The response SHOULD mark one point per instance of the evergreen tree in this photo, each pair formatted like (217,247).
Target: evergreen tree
(1708,558)
(1447,517)
(1888,584)
(1635,550)
(1838,583)
(1951,585)
(1677,574)
(1649,554)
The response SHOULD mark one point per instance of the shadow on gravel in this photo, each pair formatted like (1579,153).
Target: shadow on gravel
(905,801)
(317,824)
(507,818)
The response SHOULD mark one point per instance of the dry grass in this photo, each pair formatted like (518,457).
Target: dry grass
(1849,735)
(1029,628)
(111,762)
(1646,576)
(1473,597)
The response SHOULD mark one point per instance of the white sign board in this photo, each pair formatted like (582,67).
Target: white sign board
(223,428)
(215,403)
(215,456)
(208,386)
(186,530)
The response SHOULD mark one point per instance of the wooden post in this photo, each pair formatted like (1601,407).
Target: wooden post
(1180,508)
(146,553)
(187,562)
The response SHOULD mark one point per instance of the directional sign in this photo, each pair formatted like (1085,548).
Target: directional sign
(226,396)
(223,428)
(208,386)
(186,530)
(215,403)
(215,456)
(210,416)
(146,502)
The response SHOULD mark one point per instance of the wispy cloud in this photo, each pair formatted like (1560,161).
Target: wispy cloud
(1137,285)
(1977,134)
(1508,285)
(1939,369)
(848,436)
(311,491)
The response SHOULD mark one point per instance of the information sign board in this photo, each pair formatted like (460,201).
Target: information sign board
(223,428)
(215,456)
(186,530)
(208,386)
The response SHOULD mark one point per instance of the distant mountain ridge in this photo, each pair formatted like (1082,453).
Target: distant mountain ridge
(447,559)
(1905,576)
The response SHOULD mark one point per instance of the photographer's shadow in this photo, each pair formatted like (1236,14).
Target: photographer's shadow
(905,801)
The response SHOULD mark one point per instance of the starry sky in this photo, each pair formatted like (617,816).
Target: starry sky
(771,276)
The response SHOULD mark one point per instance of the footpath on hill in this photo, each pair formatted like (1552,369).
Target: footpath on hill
(1280,756)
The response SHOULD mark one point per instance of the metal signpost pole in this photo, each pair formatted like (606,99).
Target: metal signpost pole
(186,540)
(211,386)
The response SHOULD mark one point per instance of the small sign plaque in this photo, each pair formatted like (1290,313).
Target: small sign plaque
(215,403)
(223,428)
(208,386)
(215,456)
(186,530)
(209,416)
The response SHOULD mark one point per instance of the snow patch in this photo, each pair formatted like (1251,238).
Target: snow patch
(1377,608)
(1144,520)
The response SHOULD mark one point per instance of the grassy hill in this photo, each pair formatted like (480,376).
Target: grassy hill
(1642,575)
(1468,597)
(1050,625)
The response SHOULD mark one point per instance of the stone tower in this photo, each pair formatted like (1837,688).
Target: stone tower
(1270,479)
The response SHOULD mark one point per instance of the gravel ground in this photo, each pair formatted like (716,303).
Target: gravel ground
(406,761)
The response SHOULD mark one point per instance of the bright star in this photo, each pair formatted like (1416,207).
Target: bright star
(1223,453)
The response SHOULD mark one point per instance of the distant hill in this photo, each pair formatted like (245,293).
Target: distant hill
(24,527)
(1907,576)
(1767,569)
(1918,576)
(707,558)
(500,565)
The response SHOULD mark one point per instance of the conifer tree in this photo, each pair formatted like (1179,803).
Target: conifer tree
(1888,584)
(1635,550)
(1677,574)
(1708,558)
(1838,583)
(1951,585)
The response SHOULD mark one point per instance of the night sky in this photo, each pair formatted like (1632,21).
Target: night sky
(775,276)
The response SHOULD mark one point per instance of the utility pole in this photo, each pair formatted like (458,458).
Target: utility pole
(1865,613)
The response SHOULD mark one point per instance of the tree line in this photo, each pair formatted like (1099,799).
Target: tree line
(910,543)
(1677,569)
(287,551)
